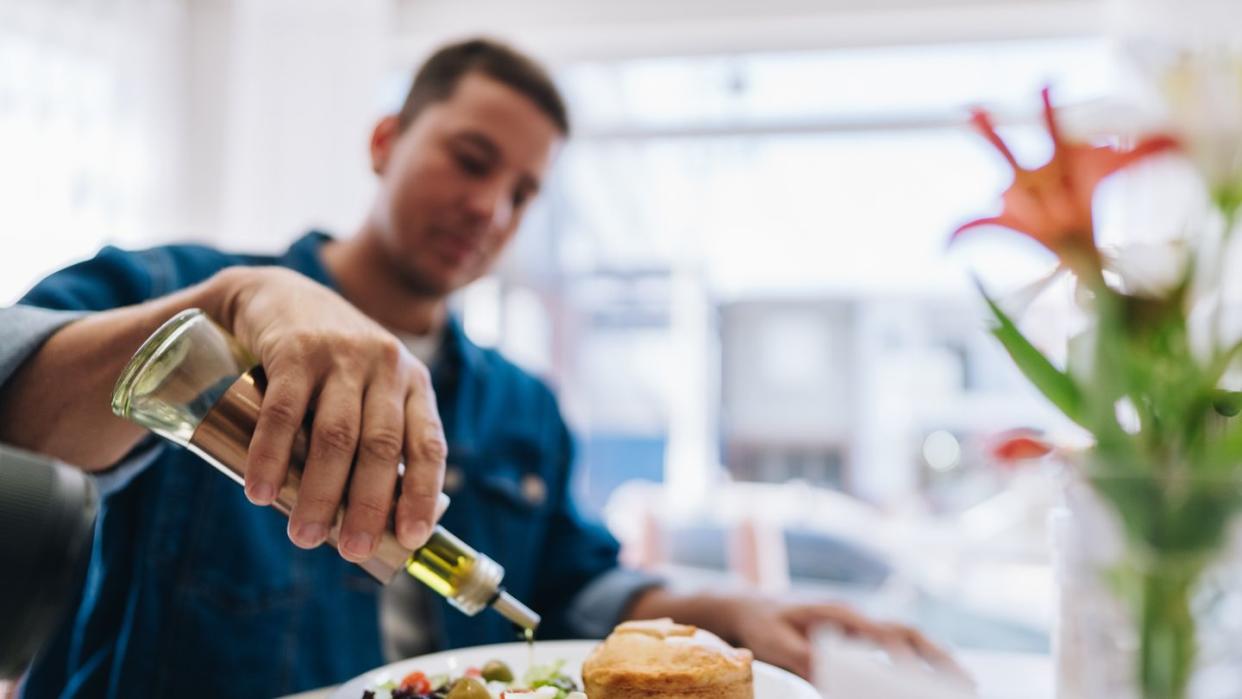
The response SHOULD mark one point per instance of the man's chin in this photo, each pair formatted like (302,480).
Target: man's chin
(439,282)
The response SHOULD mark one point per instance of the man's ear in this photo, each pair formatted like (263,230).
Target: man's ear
(383,141)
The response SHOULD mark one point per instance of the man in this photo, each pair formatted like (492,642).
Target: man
(192,589)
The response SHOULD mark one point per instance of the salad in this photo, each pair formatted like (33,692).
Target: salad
(495,680)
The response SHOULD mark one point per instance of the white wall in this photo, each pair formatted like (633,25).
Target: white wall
(306,78)
(562,30)
(254,114)
(92,130)
(235,122)
(303,90)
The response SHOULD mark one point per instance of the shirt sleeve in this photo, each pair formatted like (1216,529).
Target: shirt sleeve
(597,609)
(580,564)
(111,279)
(25,330)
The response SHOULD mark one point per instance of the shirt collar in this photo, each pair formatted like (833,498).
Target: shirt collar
(305,256)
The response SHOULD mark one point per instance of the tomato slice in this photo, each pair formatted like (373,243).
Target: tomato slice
(416,682)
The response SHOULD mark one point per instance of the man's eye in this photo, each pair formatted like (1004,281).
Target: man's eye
(520,197)
(471,164)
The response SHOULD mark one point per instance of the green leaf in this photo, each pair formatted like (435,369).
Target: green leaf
(1225,451)
(1056,385)
(1216,370)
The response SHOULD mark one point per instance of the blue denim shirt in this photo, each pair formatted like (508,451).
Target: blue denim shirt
(194,591)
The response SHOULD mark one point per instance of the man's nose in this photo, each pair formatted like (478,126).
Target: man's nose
(489,204)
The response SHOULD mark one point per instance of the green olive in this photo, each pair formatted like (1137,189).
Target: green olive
(468,688)
(497,671)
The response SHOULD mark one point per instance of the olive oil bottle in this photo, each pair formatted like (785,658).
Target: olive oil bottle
(193,384)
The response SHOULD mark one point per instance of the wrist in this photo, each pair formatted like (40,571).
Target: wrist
(724,616)
(719,613)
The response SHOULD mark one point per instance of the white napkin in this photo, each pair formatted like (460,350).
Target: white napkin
(845,668)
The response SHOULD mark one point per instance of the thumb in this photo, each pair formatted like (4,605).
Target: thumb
(808,617)
(786,647)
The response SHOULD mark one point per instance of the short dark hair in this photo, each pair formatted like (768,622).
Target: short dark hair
(436,80)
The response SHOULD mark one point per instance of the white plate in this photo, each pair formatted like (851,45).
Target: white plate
(770,682)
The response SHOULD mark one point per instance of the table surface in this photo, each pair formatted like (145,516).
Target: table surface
(998,676)
(1010,675)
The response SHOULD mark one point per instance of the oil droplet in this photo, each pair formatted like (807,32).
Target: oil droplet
(529,634)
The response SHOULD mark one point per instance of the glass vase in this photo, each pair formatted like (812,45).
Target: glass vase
(1149,577)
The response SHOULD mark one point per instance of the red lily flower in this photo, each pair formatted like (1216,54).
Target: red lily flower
(1052,203)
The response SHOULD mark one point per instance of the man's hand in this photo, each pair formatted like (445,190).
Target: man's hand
(372,401)
(779,632)
(372,404)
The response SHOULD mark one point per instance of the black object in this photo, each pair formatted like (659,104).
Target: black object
(47,520)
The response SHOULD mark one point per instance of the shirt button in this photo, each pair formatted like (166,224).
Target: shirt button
(534,489)
(453,479)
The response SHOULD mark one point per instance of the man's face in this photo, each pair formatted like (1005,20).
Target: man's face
(455,183)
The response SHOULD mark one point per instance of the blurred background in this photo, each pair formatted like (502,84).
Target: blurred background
(737,281)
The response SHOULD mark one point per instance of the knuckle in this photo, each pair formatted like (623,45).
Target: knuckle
(337,437)
(425,488)
(431,448)
(389,352)
(297,343)
(370,509)
(382,445)
(419,488)
(282,412)
(261,460)
(344,354)
(316,505)
(420,376)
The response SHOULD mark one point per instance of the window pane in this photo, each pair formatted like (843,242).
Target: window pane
(881,83)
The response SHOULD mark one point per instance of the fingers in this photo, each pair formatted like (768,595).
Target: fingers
(791,650)
(333,443)
(930,652)
(849,621)
(901,642)
(893,640)
(280,417)
(425,452)
(773,633)
(375,471)
(372,402)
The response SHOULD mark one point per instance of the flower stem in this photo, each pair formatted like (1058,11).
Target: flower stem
(1167,651)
